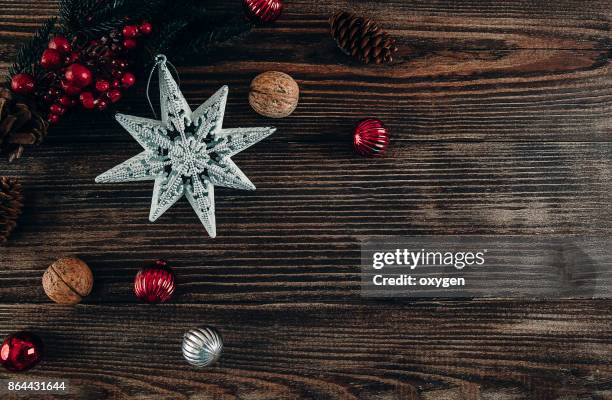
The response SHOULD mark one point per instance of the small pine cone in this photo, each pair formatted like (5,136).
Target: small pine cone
(11,203)
(20,125)
(362,38)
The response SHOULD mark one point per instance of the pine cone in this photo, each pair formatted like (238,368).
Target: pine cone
(11,203)
(362,38)
(20,125)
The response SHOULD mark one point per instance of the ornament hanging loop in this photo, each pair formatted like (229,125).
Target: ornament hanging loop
(159,60)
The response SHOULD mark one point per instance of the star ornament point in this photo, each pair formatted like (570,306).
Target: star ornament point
(187,153)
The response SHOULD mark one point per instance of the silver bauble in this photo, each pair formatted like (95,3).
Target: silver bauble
(202,346)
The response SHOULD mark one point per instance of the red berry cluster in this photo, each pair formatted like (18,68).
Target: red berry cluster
(91,76)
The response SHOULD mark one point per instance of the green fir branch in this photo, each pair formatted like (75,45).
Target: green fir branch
(181,28)
(28,55)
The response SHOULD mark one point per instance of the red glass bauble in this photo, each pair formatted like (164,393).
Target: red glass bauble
(128,80)
(146,28)
(102,85)
(155,283)
(116,83)
(263,11)
(130,31)
(21,351)
(60,44)
(50,59)
(87,100)
(114,95)
(371,138)
(23,84)
(129,44)
(78,75)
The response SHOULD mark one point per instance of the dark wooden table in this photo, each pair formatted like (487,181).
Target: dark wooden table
(500,114)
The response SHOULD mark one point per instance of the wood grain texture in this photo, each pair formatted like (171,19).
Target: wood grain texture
(500,119)
(297,236)
(495,350)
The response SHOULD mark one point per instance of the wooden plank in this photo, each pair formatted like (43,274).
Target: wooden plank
(540,350)
(297,236)
(476,73)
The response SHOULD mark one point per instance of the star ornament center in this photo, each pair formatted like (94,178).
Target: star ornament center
(187,153)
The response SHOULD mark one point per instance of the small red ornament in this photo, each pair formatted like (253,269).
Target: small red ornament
(60,44)
(114,95)
(87,100)
(128,80)
(57,109)
(53,118)
(130,31)
(22,84)
(155,283)
(129,44)
(102,85)
(146,28)
(116,83)
(21,351)
(371,138)
(50,59)
(263,11)
(78,75)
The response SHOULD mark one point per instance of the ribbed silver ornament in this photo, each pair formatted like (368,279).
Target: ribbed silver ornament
(202,346)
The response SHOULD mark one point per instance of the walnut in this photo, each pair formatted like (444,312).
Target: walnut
(67,281)
(274,94)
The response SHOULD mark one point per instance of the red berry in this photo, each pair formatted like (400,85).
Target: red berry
(129,44)
(53,118)
(101,104)
(22,84)
(130,31)
(115,83)
(78,75)
(146,28)
(87,100)
(65,101)
(60,44)
(102,85)
(57,109)
(50,59)
(114,95)
(70,89)
(128,80)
